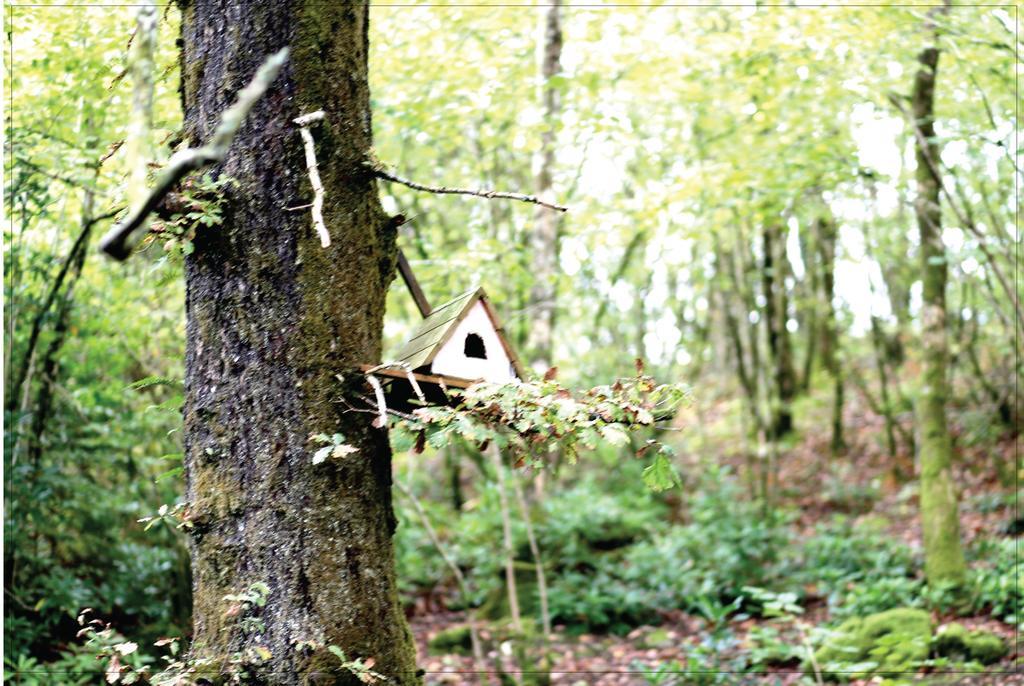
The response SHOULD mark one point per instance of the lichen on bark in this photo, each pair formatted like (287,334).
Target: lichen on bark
(273,319)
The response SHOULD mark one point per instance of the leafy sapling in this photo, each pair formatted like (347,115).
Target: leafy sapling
(361,668)
(123,664)
(175,516)
(246,604)
(199,206)
(785,608)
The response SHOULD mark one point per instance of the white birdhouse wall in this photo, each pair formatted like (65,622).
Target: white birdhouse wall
(461,355)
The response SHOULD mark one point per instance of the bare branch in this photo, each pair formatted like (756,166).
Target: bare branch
(314,174)
(382,173)
(116,243)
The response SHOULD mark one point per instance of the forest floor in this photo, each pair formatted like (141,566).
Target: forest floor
(608,660)
(656,654)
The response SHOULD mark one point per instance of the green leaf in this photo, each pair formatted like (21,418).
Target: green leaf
(614,434)
(322,454)
(660,475)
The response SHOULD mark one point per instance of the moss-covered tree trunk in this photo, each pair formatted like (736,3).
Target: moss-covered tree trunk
(944,558)
(273,320)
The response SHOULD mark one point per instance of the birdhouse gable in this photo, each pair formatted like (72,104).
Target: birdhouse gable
(474,350)
(462,339)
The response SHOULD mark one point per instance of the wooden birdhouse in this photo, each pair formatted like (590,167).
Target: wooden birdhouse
(456,345)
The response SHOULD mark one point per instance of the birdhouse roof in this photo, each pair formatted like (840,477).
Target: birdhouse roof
(436,328)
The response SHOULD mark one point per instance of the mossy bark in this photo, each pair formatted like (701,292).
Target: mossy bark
(944,558)
(273,319)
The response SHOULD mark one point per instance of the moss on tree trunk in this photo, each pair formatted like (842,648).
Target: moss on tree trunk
(273,318)
(944,558)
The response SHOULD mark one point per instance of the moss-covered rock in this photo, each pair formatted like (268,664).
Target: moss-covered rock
(456,640)
(659,638)
(951,641)
(986,647)
(956,642)
(885,644)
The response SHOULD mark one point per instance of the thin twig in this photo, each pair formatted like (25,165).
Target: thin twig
(382,173)
(460,579)
(965,221)
(117,242)
(370,404)
(314,174)
(538,562)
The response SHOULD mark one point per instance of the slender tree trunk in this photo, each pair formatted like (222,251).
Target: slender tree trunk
(545,234)
(776,312)
(829,330)
(140,122)
(944,558)
(452,464)
(507,544)
(50,368)
(878,341)
(273,319)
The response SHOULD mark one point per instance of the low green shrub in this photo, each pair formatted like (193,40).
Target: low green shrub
(729,544)
(994,579)
(839,554)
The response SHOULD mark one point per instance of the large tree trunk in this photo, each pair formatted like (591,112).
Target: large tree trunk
(273,320)
(944,558)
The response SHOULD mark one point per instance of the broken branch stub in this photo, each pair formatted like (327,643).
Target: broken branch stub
(119,241)
(308,144)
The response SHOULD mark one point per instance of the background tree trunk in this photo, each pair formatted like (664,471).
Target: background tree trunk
(546,220)
(272,319)
(827,235)
(944,557)
(776,313)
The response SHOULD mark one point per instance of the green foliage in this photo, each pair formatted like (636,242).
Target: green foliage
(245,607)
(712,662)
(770,647)
(197,207)
(358,667)
(334,446)
(778,113)
(528,417)
(995,581)
(605,554)
(729,544)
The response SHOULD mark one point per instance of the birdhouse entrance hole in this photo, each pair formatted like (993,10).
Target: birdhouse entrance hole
(475,347)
